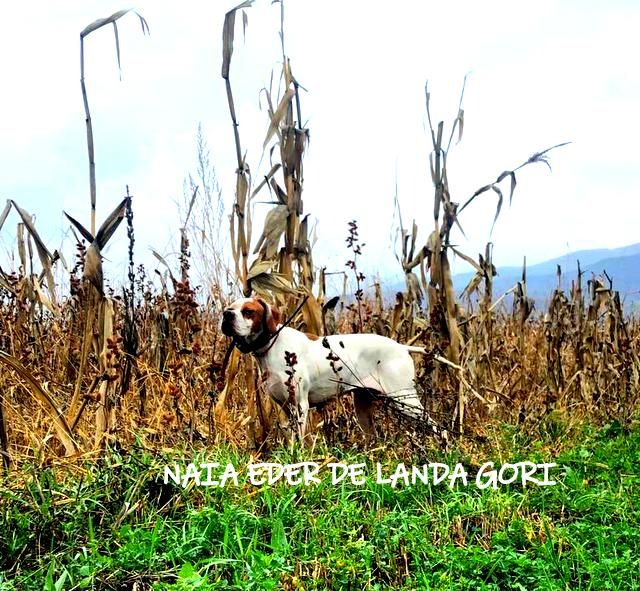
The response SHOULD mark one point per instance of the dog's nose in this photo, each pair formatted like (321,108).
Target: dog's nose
(227,315)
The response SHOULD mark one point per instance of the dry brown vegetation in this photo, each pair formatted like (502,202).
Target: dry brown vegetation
(148,362)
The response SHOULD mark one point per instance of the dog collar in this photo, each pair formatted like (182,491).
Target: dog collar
(265,339)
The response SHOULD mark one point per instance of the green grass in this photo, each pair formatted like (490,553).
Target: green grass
(117,524)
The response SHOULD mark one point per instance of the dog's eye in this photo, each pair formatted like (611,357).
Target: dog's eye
(248,313)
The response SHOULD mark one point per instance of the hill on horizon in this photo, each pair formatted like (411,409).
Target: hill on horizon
(622,265)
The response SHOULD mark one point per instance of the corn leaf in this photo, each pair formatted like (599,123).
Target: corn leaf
(41,395)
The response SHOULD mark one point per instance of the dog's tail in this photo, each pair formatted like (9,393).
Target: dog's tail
(415,349)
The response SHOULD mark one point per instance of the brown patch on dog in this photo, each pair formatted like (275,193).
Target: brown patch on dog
(311,336)
(254,310)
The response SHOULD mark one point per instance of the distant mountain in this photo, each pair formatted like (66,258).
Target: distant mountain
(621,264)
(569,262)
(624,271)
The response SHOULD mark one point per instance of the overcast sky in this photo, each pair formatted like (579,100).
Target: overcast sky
(539,74)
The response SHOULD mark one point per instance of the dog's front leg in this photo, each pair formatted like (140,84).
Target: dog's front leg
(296,407)
(303,414)
(363,403)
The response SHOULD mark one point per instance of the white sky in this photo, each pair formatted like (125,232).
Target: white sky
(539,74)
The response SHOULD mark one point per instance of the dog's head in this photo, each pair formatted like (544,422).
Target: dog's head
(250,319)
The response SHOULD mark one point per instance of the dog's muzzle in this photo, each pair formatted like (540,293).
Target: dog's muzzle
(227,323)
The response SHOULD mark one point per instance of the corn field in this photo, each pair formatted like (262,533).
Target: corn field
(94,365)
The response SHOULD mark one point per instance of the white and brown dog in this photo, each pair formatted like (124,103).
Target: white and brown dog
(315,369)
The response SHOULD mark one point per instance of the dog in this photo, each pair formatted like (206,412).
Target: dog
(308,370)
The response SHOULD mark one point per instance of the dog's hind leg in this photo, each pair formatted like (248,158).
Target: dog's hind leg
(406,401)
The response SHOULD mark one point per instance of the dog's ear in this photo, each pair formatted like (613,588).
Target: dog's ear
(273,319)
(273,315)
